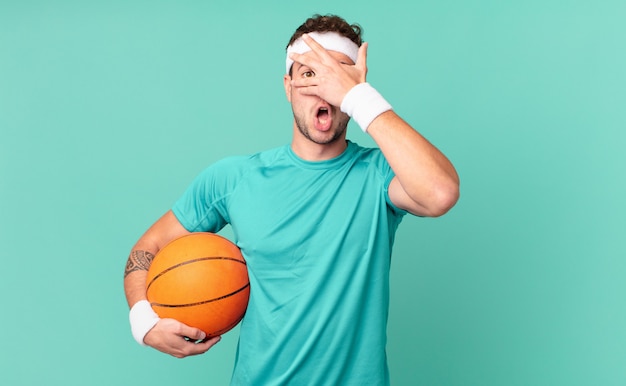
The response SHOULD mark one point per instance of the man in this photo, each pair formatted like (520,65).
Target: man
(314,219)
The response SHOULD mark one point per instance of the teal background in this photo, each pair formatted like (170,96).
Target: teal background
(109,109)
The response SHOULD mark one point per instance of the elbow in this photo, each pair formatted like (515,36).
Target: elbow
(443,199)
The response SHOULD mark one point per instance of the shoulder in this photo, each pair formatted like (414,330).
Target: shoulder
(233,168)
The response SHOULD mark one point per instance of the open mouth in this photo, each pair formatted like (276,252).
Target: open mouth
(323,120)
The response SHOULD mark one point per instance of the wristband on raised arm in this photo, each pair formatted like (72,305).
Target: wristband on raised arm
(363,103)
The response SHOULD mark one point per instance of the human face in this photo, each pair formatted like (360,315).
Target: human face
(315,119)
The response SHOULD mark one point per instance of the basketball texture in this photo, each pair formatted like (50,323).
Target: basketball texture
(201,280)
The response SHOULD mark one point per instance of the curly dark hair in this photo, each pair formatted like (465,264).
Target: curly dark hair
(329,23)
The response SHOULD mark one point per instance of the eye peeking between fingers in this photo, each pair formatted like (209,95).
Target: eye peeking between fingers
(307,74)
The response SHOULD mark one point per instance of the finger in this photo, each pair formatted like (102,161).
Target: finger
(315,46)
(361,60)
(208,343)
(320,52)
(305,60)
(192,334)
(306,86)
(197,348)
(305,82)
(310,90)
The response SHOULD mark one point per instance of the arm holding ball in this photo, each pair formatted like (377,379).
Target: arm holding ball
(166,335)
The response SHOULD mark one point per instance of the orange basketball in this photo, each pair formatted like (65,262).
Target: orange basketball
(201,280)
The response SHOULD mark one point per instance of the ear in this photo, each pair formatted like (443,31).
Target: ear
(287,84)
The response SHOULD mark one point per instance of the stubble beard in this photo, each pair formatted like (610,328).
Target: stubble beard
(304,130)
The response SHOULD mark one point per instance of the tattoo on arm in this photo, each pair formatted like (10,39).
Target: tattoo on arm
(138,261)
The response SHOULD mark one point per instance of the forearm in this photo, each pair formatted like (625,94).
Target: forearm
(136,273)
(167,228)
(424,173)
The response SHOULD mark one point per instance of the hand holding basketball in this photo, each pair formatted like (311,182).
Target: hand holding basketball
(168,335)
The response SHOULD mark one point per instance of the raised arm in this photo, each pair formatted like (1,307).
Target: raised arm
(426,183)
(166,335)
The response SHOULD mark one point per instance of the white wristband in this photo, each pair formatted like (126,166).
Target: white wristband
(363,103)
(142,319)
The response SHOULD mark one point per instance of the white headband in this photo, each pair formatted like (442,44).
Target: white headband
(331,41)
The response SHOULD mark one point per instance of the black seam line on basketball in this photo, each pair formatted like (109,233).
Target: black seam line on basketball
(192,261)
(202,302)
